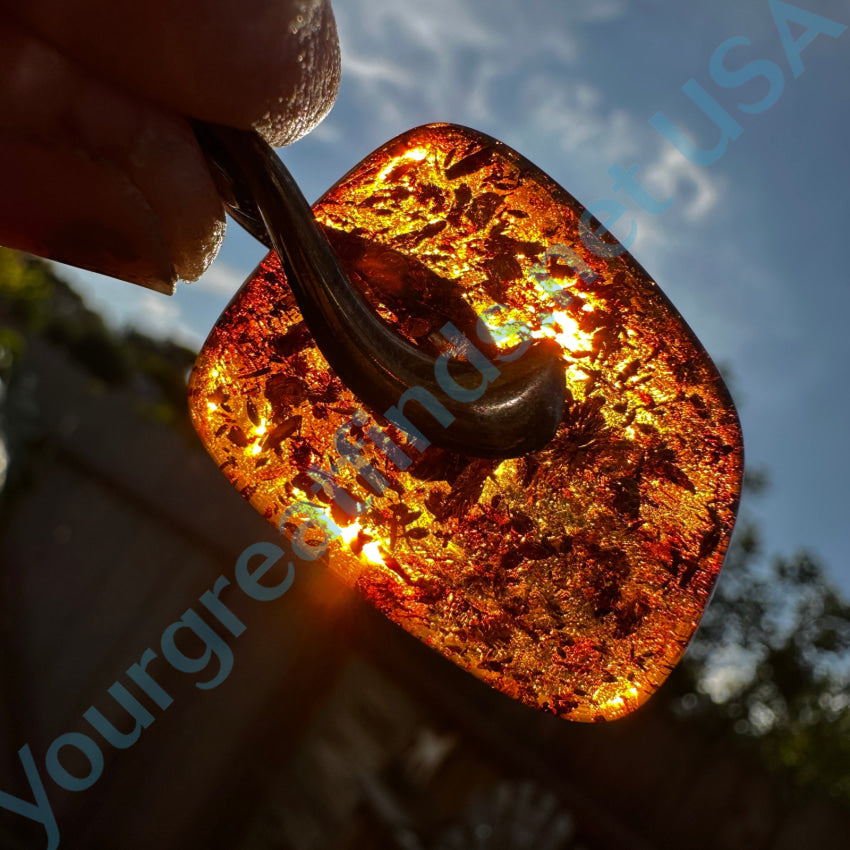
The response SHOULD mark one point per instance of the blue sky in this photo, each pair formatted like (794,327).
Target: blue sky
(752,249)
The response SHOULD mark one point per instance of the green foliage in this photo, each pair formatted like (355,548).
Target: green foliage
(771,664)
(11,351)
(35,301)
(24,290)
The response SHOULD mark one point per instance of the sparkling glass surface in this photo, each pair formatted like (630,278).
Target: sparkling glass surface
(570,579)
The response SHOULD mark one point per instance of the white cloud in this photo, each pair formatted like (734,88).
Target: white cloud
(670,170)
(398,53)
(435,26)
(371,72)
(328,132)
(455,55)
(602,10)
(162,317)
(576,120)
(219,279)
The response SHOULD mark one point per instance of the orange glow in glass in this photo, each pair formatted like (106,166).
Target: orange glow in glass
(570,579)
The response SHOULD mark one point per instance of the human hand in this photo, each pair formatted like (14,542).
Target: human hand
(99,167)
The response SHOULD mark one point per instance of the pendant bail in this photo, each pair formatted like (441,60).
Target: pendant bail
(519,410)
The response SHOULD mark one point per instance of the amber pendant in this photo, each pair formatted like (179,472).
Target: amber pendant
(570,578)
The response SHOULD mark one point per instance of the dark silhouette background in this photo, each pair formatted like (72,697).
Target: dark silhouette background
(336,729)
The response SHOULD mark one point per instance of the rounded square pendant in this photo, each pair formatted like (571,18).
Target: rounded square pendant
(571,578)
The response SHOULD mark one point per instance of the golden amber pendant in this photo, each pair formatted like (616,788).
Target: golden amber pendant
(570,578)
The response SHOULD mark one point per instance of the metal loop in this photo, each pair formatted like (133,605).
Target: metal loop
(518,412)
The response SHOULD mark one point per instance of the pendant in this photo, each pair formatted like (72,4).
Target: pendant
(564,555)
